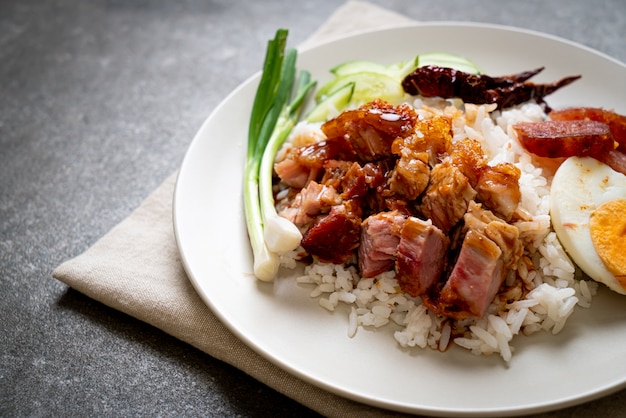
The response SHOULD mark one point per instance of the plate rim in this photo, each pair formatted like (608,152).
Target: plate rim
(457,24)
(528,409)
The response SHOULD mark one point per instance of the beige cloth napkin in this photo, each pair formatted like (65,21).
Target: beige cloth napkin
(136,268)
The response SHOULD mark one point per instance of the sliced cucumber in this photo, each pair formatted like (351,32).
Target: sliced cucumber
(361,81)
(401,69)
(358,66)
(367,86)
(336,101)
(397,70)
(445,59)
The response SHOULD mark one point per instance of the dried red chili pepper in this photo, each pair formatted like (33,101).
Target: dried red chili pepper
(505,91)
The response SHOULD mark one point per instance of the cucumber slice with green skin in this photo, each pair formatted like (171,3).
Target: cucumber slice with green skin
(397,70)
(351,67)
(368,86)
(445,59)
(336,101)
(361,81)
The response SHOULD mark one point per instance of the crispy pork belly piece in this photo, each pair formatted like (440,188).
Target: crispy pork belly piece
(334,172)
(411,173)
(490,248)
(311,201)
(377,173)
(467,154)
(348,178)
(498,188)
(436,136)
(292,173)
(334,237)
(421,256)
(474,281)
(372,128)
(380,236)
(305,163)
(377,180)
(506,236)
(447,197)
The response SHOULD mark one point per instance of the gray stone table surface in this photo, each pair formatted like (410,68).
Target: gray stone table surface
(99,101)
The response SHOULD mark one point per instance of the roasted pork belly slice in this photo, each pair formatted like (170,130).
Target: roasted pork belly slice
(292,173)
(334,237)
(468,155)
(334,172)
(411,174)
(372,128)
(447,197)
(349,178)
(377,173)
(311,201)
(380,236)
(498,188)
(474,281)
(490,248)
(436,136)
(305,163)
(421,256)
(504,235)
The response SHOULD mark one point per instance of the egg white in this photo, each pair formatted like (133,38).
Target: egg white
(579,186)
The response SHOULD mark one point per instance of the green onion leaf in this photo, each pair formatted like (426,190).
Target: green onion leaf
(271,120)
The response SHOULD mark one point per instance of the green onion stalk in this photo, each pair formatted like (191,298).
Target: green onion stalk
(274,114)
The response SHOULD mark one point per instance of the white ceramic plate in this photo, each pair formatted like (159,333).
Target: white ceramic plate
(280,321)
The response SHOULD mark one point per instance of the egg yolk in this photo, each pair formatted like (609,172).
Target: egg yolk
(607,225)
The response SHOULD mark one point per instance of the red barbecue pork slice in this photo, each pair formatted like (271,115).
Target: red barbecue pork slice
(421,256)
(380,236)
(447,197)
(334,237)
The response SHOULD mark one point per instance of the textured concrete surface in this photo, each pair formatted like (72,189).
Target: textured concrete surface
(98,103)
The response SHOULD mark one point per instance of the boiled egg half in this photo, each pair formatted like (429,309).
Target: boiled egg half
(588,211)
